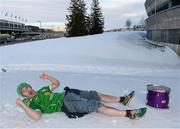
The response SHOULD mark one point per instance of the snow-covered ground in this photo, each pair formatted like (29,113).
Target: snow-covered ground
(112,63)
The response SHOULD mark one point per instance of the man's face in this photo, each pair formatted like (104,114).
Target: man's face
(28,92)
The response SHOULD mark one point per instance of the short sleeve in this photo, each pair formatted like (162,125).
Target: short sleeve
(26,101)
(46,88)
(31,104)
(35,106)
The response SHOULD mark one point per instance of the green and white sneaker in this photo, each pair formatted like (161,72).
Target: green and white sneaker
(128,98)
(137,113)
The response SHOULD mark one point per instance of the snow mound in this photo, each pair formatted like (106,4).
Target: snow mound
(108,53)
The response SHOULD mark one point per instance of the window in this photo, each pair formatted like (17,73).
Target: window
(164,7)
(175,2)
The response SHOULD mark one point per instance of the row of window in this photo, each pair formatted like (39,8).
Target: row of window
(167,36)
(10,25)
(175,2)
(171,3)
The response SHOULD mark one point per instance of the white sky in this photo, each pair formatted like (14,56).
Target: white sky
(54,11)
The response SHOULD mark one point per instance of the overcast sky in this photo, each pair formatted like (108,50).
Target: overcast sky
(54,11)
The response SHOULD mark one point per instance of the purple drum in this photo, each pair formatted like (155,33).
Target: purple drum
(158,96)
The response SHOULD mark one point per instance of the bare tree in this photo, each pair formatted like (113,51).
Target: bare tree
(128,24)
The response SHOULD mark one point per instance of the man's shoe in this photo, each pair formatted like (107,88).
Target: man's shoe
(137,113)
(128,98)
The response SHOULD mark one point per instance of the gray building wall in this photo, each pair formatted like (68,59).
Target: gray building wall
(167,19)
(11,26)
(163,23)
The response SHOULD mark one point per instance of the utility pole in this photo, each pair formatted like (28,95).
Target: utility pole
(155,7)
(39,24)
(155,27)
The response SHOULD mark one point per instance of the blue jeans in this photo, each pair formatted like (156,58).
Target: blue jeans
(85,101)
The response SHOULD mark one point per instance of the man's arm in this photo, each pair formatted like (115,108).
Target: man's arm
(54,82)
(36,115)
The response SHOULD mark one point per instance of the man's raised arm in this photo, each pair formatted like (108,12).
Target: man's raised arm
(54,82)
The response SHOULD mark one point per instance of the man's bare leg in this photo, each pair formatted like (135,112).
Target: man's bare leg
(109,98)
(132,114)
(114,99)
(112,111)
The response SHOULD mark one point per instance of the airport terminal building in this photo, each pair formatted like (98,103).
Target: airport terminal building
(163,22)
(10,27)
(14,32)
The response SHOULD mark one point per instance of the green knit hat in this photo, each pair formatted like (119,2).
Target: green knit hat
(21,86)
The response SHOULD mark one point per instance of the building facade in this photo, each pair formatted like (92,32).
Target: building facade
(22,33)
(10,27)
(163,22)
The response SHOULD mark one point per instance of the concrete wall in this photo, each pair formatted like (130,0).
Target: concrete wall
(174,47)
(170,38)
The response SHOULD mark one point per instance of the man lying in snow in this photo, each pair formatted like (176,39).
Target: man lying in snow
(74,103)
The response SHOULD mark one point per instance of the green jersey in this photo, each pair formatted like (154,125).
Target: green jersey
(46,101)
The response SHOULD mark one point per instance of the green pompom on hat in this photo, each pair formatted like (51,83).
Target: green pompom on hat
(21,86)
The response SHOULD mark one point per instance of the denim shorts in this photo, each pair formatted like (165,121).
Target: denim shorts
(85,102)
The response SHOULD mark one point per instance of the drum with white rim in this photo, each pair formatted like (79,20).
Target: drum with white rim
(158,96)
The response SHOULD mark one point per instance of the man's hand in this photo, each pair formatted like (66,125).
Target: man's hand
(19,101)
(54,82)
(43,76)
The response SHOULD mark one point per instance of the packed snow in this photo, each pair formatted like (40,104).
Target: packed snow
(114,63)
